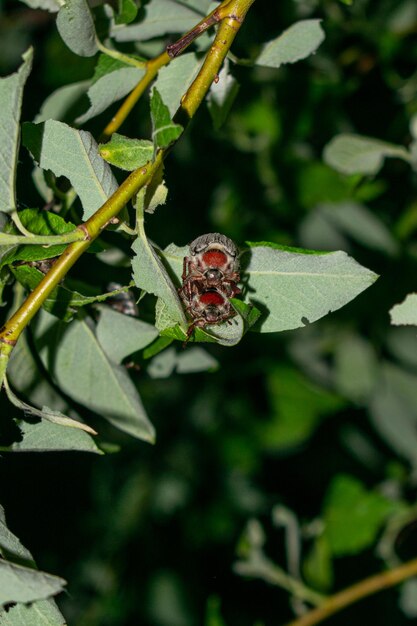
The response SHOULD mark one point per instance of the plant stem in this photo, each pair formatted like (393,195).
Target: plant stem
(92,228)
(119,56)
(42,240)
(227,31)
(261,567)
(356,592)
(176,48)
(152,68)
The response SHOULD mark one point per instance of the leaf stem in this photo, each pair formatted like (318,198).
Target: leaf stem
(115,54)
(356,592)
(43,240)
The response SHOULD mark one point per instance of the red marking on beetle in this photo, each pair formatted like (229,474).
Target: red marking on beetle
(214,258)
(211,297)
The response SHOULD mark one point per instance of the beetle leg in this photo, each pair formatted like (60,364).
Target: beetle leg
(185,268)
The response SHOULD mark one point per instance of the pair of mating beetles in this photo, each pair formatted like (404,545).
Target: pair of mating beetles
(210,276)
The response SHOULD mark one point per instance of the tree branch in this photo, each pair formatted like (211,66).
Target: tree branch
(356,592)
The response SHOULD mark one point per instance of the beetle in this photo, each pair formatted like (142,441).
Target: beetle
(213,263)
(206,307)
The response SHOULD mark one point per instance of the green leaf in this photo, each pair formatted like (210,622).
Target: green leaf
(55,431)
(408,598)
(213,612)
(11,94)
(38,223)
(126,153)
(61,302)
(405,313)
(190,361)
(354,154)
(57,105)
(293,289)
(174,257)
(109,89)
(46,436)
(78,364)
(353,515)
(164,131)
(201,6)
(297,406)
(400,342)
(393,411)
(317,184)
(154,194)
(161,18)
(73,154)
(40,613)
(360,224)
(55,417)
(127,11)
(356,368)
(150,275)
(226,334)
(195,359)
(26,377)
(121,335)
(221,96)
(248,312)
(164,319)
(156,347)
(23,584)
(163,365)
(10,545)
(106,65)
(317,566)
(174,79)
(296,43)
(76,26)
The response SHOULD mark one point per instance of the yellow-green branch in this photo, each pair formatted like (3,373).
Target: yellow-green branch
(356,592)
(231,19)
(152,68)
(234,9)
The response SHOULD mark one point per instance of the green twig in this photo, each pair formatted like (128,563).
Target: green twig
(42,240)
